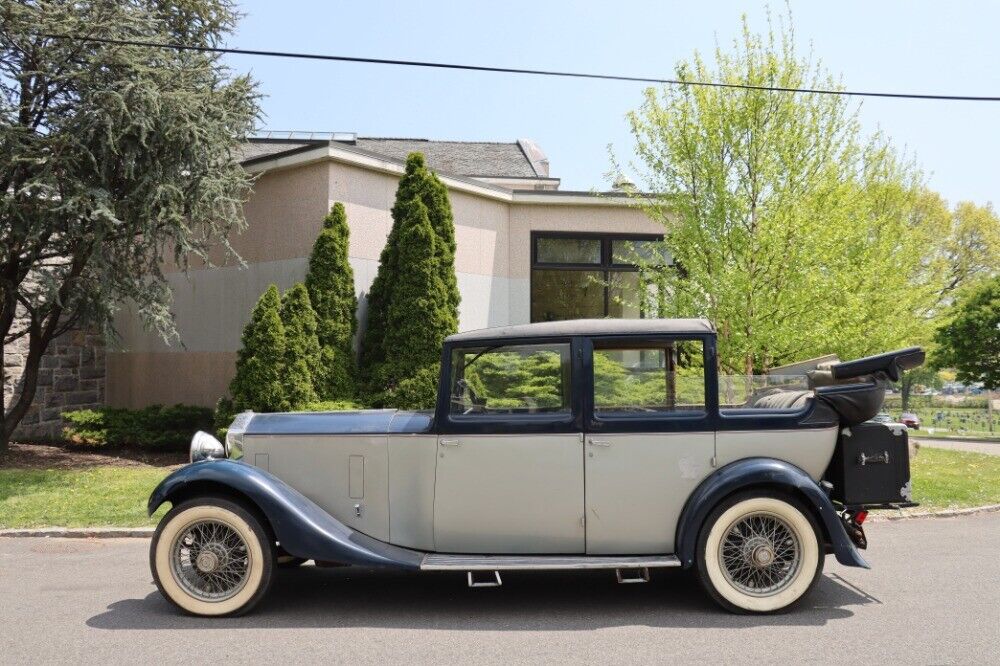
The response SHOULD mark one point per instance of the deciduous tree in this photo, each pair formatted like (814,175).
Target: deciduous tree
(970,341)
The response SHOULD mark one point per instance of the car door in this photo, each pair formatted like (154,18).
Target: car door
(649,441)
(510,451)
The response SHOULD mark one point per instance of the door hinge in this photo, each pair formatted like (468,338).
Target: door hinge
(715,461)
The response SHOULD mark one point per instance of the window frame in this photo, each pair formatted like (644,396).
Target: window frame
(606,266)
(668,421)
(498,424)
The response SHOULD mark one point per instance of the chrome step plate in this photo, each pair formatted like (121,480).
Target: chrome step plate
(444,562)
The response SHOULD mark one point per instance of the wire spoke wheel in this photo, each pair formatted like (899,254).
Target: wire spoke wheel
(760,554)
(210,560)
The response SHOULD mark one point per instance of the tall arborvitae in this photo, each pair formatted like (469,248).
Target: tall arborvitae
(330,281)
(260,363)
(418,316)
(419,184)
(302,356)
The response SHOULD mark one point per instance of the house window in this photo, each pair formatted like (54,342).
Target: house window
(580,276)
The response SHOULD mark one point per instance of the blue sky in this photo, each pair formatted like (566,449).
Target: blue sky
(932,47)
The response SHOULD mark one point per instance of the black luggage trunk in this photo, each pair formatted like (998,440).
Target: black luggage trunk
(871,465)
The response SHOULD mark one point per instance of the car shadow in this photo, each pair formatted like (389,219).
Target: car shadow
(311,597)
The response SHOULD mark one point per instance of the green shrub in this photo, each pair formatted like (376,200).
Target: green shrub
(330,281)
(302,357)
(155,428)
(413,301)
(259,381)
(330,406)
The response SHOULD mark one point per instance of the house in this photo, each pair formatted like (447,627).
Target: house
(526,251)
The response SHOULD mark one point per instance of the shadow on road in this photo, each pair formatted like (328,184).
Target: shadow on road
(528,601)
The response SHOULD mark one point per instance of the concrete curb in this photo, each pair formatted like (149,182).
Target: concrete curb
(947,513)
(82,532)
(147,532)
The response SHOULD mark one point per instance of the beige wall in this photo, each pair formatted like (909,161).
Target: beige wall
(284,215)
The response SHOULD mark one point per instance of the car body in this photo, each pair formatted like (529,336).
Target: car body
(581,444)
(910,420)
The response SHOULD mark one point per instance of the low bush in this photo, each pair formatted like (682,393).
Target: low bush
(330,406)
(155,428)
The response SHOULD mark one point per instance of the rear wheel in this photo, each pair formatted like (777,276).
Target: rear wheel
(212,557)
(759,552)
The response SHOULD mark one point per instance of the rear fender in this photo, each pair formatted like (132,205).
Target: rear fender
(772,473)
(301,527)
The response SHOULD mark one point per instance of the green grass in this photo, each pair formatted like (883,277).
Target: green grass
(92,497)
(954,421)
(116,496)
(954,479)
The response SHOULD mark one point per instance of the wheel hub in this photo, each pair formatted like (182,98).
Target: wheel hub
(758,552)
(210,560)
(207,561)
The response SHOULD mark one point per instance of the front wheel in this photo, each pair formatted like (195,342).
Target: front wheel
(212,557)
(759,552)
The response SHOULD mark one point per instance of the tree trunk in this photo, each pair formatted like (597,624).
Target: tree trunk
(38,342)
(905,386)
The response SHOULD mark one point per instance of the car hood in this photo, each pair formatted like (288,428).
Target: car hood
(360,422)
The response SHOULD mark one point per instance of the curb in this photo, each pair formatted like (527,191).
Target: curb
(82,532)
(947,513)
(147,532)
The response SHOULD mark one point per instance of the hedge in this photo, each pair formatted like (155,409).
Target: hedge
(154,428)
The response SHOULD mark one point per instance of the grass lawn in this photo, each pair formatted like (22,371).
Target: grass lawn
(116,496)
(945,479)
(92,497)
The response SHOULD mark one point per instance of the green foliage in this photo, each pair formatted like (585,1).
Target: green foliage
(970,341)
(330,406)
(791,230)
(260,364)
(302,354)
(113,160)
(417,391)
(330,281)
(505,379)
(155,427)
(413,301)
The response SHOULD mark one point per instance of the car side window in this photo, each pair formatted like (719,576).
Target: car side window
(511,379)
(779,394)
(668,377)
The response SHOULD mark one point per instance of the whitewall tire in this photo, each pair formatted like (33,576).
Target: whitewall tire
(212,557)
(759,552)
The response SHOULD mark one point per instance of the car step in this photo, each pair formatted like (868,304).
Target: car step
(446,562)
(634,575)
(492,581)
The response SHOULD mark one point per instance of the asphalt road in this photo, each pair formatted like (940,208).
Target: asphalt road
(973,445)
(932,597)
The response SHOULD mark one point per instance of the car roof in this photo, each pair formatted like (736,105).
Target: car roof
(588,327)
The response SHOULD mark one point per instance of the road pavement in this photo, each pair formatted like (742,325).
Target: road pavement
(932,597)
(973,445)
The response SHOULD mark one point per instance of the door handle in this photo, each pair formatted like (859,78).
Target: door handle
(600,442)
(450,442)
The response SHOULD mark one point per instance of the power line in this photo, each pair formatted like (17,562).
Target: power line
(515,70)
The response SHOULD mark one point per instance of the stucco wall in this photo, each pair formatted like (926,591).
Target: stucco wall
(284,215)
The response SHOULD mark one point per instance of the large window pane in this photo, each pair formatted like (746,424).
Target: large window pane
(568,250)
(651,252)
(623,295)
(663,379)
(561,294)
(516,379)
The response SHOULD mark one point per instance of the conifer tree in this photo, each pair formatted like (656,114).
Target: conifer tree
(258,384)
(302,351)
(330,281)
(418,316)
(395,273)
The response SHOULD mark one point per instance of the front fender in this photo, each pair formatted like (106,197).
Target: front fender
(301,527)
(757,472)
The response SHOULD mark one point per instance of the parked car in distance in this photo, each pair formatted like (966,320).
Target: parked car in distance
(883,417)
(910,420)
(589,444)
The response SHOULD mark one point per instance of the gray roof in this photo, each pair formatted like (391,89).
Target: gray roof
(462,158)
(587,327)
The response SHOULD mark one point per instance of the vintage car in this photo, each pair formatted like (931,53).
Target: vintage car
(588,444)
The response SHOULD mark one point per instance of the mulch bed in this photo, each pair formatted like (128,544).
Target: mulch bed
(48,456)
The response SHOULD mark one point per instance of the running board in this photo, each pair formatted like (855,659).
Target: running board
(442,562)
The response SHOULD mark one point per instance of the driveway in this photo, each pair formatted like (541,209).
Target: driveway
(933,596)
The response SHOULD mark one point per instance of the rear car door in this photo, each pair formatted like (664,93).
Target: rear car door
(649,441)
(510,453)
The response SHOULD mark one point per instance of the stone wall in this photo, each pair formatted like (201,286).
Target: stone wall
(72,376)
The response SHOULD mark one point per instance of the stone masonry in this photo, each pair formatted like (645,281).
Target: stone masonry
(71,377)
